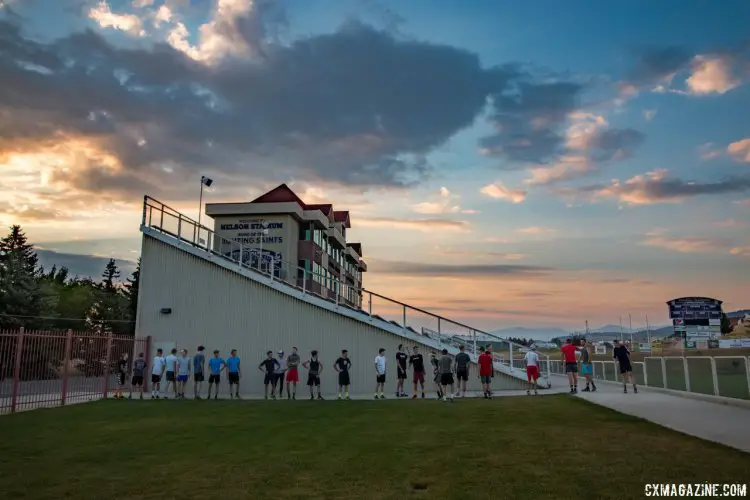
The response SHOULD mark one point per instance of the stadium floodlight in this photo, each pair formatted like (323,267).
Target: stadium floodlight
(205,181)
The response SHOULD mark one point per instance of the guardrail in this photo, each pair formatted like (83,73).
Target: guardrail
(172,223)
(727,376)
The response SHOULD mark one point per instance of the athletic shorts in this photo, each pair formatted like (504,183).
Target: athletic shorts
(419,377)
(380,379)
(532,373)
(462,374)
(121,379)
(571,367)
(313,380)
(269,378)
(233,377)
(137,380)
(182,378)
(400,373)
(626,368)
(344,378)
(279,377)
(446,379)
(214,378)
(587,369)
(486,379)
(198,377)
(155,379)
(170,376)
(292,375)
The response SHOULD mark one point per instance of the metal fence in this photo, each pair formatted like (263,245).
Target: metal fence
(727,376)
(45,368)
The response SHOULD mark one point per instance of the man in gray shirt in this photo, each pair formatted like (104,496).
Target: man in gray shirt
(139,368)
(462,371)
(445,365)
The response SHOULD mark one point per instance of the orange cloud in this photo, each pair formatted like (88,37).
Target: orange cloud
(445,203)
(683,245)
(425,225)
(740,150)
(711,75)
(499,192)
(104,17)
(535,230)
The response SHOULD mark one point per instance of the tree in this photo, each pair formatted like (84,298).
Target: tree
(20,296)
(109,313)
(130,291)
(726,325)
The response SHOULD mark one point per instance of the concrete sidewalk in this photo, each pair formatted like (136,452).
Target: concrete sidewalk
(725,424)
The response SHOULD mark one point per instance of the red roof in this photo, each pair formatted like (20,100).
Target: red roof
(326,208)
(280,194)
(342,216)
(357,247)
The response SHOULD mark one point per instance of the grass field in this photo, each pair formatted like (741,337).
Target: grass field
(543,447)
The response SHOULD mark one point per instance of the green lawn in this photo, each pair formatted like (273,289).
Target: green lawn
(522,447)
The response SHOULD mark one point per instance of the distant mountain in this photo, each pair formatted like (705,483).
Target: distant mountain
(606,328)
(738,314)
(543,333)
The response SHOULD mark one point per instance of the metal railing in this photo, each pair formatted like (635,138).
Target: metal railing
(727,376)
(185,230)
(44,369)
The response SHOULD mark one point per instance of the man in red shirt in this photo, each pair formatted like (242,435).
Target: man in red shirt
(571,364)
(486,371)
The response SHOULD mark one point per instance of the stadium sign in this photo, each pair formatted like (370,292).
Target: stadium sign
(692,318)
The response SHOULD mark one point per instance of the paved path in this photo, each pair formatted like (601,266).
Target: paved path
(725,424)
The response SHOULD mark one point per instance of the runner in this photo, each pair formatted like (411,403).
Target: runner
(139,368)
(199,364)
(622,355)
(292,374)
(587,368)
(171,363)
(268,366)
(183,373)
(122,373)
(380,364)
(571,364)
(342,366)
(486,371)
(401,360)
(436,374)
(280,372)
(234,374)
(462,371)
(215,365)
(416,361)
(157,370)
(446,375)
(315,368)
(532,370)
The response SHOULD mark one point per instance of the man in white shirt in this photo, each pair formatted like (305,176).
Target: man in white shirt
(171,363)
(157,370)
(532,369)
(380,363)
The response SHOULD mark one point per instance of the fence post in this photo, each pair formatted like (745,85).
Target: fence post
(66,369)
(438,324)
(747,372)
(645,374)
(664,373)
(105,389)
(686,371)
(239,261)
(474,334)
(403,307)
(338,289)
(17,370)
(179,228)
(369,306)
(510,354)
(714,375)
(146,376)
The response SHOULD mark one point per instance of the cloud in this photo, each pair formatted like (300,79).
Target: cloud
(657,187)
(684,245)
(419,269)
(709,151)
(731,224)
(649,114)
(83,265)
(740,150)
(425,225)
(475,254)
(499,192)
(535,230)
(445,203)
(740,251)
(104,17)
(711,75)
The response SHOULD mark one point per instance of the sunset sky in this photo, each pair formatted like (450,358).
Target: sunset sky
(505,163)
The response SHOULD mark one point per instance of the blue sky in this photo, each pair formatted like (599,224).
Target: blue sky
(595,154)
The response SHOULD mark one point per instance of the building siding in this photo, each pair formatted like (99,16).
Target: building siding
(222,309)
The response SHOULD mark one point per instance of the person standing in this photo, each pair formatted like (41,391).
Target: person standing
(234,374)
(280,372)
(268,366)
(571,364)
(446,375)
(139,368)
(401,361)
(199,364)
(342,365)
(462,371)
(314,369)
(380,365)
(122,374)
(171,362)
(436,374)
(532,370)
(486,371)
(622,355)
(587,367)
(292,374)
(158,366)
(416,361)
(215,366)
(183,373)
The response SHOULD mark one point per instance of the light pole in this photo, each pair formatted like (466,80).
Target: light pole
(205,181)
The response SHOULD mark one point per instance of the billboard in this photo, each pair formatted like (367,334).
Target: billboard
(695,320)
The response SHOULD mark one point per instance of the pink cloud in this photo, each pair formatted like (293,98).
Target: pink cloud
(498,191)
(535,230)
(711,75)
(740,150)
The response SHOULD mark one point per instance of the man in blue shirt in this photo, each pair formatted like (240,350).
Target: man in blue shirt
(199,362)
(215,365)
(234,373)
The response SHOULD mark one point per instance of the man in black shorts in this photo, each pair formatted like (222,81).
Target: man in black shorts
(342,366)
(315,368)
(445,365)
(622,355)
(401,360)
(416,361)
(462,371)
(268,366)
(122,373)
(139,368)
